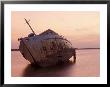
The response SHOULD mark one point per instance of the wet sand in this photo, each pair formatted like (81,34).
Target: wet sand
(87,65)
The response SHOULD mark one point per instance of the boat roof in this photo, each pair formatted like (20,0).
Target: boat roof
(46,35)
(49,31)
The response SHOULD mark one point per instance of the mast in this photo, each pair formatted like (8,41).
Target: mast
(30,26)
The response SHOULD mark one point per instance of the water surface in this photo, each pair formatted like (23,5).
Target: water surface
(87,65)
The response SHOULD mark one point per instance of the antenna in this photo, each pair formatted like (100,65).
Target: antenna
(30,26)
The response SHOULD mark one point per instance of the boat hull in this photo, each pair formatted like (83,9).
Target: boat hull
(46,49)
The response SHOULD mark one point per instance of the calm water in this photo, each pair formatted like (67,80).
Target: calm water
(87,65)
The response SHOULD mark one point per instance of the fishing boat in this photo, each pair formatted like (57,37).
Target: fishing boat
(47,48)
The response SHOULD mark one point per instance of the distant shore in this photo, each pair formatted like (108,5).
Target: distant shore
(86,48)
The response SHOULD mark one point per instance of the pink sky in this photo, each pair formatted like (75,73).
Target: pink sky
(81,28)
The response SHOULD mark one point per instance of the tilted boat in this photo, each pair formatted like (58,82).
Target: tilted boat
(46,49)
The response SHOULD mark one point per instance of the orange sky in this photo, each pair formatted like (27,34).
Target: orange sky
(81,28)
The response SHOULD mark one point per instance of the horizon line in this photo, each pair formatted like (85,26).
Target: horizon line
(75,48)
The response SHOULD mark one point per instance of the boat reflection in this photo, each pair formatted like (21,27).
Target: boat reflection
(59,70)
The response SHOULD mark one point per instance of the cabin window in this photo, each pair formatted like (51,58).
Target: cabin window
(60,46)
(44,49)
(53,45)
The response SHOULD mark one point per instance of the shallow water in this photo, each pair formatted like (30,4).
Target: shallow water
(87,65)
